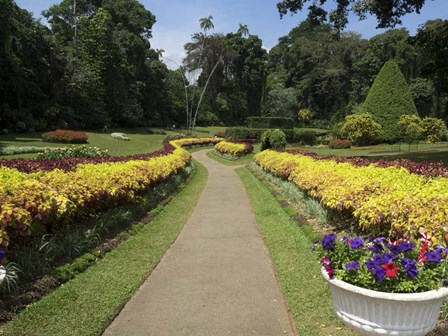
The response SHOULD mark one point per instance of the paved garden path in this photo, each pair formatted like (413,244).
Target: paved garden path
(216,279)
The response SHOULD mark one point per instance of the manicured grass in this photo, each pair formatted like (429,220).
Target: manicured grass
(297,266)
(141,142)
(84,305)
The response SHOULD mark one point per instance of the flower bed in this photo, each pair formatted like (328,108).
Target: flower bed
(49,198)
(429,169)
(387,201)
(234,148)
(65,136)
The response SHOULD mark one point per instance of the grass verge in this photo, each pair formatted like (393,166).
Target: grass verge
(84,305)
(297,266)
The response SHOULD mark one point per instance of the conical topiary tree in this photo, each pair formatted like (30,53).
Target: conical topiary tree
(388,99)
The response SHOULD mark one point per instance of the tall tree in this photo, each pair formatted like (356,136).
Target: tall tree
(387,13)
(432,41)
(243,30)
(388,99)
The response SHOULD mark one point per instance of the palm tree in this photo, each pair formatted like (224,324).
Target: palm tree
(205,24)
(243,30)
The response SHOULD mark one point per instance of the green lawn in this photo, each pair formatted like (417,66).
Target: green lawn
(298,269)
(141,142)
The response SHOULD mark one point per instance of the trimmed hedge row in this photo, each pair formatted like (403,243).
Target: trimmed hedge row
(385,201)
(304,137)
(270,122)
(48,199)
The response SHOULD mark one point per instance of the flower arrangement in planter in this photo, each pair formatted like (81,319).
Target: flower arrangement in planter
(386,287)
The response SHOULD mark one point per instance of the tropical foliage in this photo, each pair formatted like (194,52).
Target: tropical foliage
(40,202)
(388,201)
(235,149)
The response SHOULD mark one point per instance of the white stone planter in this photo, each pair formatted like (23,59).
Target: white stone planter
(379,313)
(2,274)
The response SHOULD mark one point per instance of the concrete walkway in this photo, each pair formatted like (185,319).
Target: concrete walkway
(216,279)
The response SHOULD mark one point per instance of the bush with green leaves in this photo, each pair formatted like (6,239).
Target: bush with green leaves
(300,136)
(388,99)
(270,122)
(69,152)
(410,128)
(273,139)
(433,129)
(305,115)
(361,129)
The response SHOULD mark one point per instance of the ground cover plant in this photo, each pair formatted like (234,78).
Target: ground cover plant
(13,150)
(234,148)
(86,304)
(69,152)
(388,201)
(56,196)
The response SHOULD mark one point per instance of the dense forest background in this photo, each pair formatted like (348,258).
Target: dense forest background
(95,66)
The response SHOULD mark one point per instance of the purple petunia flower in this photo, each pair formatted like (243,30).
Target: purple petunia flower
(445,282)
(395,249)
(356,243)
(434,256)
(328,242)
(371,264)
(410,267)
(407,246)
(352,266)
(2,254)
(378,273)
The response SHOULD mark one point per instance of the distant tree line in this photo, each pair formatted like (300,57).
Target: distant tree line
(93,65)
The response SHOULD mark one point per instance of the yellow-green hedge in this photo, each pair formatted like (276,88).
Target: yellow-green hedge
(382,200)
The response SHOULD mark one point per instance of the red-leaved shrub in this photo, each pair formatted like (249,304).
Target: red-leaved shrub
(65,136)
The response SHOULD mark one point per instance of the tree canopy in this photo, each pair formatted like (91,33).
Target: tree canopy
(387,13)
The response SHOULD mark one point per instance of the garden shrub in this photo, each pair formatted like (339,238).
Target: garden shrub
(70,152)
(433,129)
(65,136)
(305,115)
(361,129)
(388,99)
(235,149)
(273,139)
(304,137)
(12,150)
(339,144)
(155,131)
(270,122)
(235,133)
(410,128)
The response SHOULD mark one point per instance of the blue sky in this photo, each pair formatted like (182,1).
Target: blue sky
(177,20)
